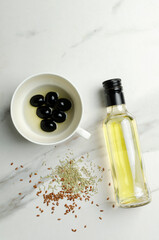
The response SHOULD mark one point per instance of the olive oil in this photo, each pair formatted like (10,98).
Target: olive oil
(123,149)
(33,121)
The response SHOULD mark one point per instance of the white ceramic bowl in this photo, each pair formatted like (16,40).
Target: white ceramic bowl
(24,115)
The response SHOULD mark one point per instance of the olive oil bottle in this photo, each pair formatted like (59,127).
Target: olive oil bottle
(123,149)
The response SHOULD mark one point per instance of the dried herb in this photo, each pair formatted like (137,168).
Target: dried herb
(72,179)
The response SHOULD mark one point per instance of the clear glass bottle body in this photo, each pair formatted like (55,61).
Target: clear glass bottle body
(124,153)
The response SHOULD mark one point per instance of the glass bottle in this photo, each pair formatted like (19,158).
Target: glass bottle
(123,149)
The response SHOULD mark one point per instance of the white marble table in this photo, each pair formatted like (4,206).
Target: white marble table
(87,42)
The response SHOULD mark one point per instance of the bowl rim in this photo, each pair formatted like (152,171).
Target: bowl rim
(13,97)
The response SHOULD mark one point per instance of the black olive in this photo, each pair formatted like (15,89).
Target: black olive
(51,98)
(48,125)
(63,104)
(37,100)
(58,116)
(43,112)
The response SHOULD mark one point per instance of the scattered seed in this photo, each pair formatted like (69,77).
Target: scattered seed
(70,182)
(29,181)
(100,218)
(21,166)
(113,206)
(109,184)
(107,198)
(16,168)
(38,215)
(101,210)
(11,163)
(37,206)
(21,180)
(20,194)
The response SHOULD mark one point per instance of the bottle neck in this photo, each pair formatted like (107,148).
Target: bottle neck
(114,97)
(116,109)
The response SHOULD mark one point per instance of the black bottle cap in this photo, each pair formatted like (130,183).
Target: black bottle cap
(113,92)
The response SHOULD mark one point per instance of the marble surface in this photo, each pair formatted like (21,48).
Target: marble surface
(86,42)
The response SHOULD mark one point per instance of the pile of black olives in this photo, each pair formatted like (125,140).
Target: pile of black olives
(50,109)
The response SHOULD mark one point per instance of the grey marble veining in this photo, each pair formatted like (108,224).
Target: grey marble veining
(4,114)
(87,42)
(145,110)
(117,6)
(10,185)
(87,37)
